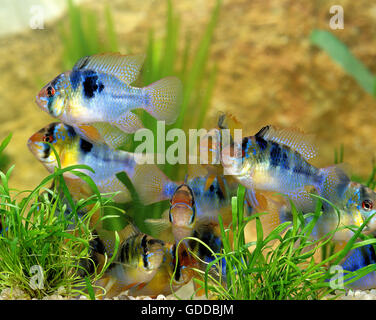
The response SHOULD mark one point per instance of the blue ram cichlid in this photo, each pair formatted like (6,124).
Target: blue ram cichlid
(277,161)
(97,97)
(72,149)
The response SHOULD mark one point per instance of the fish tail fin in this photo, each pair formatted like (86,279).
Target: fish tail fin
(151,184)
(333,182)
(164,99)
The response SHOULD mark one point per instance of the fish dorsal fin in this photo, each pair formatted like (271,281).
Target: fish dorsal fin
(292,137)
(124,67)
(130,230)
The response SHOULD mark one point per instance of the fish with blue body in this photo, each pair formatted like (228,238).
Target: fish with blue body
(72,149)
(277,161)
(356,259)
(96,96)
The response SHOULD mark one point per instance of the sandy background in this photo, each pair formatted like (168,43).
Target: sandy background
(269,73)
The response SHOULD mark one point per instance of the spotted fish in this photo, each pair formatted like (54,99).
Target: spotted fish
(96,96)
(72,149)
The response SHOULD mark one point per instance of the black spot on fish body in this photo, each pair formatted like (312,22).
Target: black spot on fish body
(285,160)
(125,256)
(145,253)
(244,143)
(75,77)
(91,84)
(220,193)
(302,168)
(262,143)
(275,154)
(370,254)
(211,188)
(211,241)
(49,105)
(85,146)
(71,132)
(97,245)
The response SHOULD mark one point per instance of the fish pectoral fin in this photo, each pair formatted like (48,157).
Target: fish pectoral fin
(149,182)
(157,225)
(88,132)
(124,67)
(128,122)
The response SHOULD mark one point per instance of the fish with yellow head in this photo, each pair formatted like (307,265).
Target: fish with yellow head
(72,149)
(97,98)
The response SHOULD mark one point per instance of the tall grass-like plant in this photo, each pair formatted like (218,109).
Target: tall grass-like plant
(45,236)
(341,54)
(80,34)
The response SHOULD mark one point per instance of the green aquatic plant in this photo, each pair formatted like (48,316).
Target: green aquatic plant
(341,54)
(45,241)
(4,158)
(281,264)
(80,34)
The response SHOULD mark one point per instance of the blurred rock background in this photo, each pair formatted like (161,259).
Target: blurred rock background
(268,71)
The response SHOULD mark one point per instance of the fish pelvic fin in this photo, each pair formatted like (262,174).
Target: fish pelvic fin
(151,184)
(128,122)
(158,226)
(165,97)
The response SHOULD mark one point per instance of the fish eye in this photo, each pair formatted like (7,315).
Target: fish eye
(367,205)
(47,138)
(50,91)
